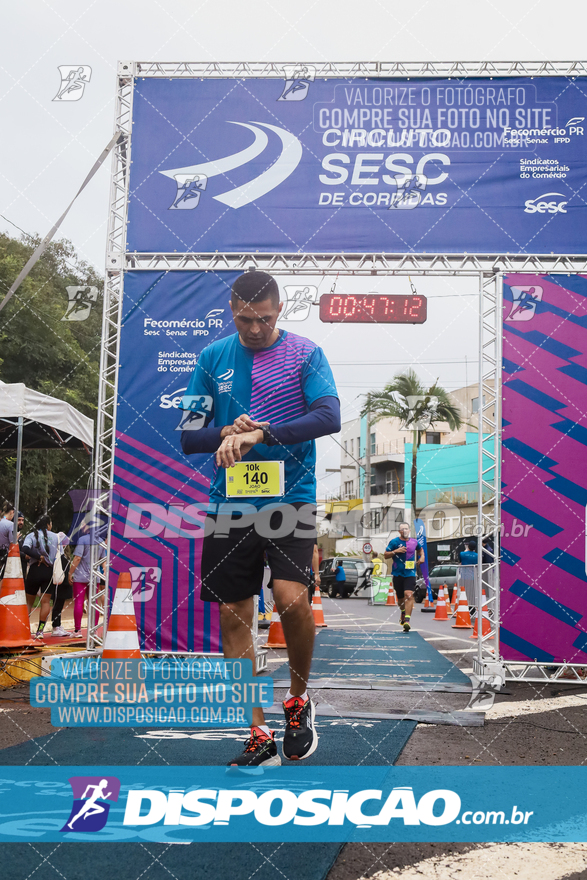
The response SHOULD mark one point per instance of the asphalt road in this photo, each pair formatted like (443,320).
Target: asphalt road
(536,724)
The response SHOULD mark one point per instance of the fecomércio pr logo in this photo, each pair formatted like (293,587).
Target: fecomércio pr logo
(91,802)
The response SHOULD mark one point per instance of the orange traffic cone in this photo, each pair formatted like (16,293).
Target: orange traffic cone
(486,625)
(391,600)
(275,636)
(317,609)
(15,629)
(455,597)
(463,620)
(122,640)
(441,613)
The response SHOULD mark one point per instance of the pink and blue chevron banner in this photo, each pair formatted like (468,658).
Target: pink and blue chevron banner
(159,493)
(544,478)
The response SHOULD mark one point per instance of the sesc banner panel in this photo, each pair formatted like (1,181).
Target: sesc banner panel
(544,477)
(424,166)
(156,529)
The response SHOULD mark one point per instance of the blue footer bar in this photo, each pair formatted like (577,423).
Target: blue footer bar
(293,804)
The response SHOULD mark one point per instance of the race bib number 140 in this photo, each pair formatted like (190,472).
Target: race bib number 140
(255,478)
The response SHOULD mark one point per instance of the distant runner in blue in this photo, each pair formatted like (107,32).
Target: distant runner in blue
(264,395)
(404,571)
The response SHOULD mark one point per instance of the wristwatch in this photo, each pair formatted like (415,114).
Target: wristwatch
(266,434)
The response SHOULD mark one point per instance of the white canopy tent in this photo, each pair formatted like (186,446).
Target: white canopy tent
(31,420)
(47,422)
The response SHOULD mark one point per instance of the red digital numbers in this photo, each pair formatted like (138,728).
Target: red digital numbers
(372,308)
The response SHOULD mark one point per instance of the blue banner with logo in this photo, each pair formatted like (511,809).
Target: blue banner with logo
(160,494)
(184,804)
(388,165)
(421,538)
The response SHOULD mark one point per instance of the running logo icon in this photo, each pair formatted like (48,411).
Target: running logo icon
(189,189)
(81,300)
(90,806)
(421,412)
(298,302)
(196,409)
(145,580)
(524,302)
(409,191)
(74,78)
(297,82)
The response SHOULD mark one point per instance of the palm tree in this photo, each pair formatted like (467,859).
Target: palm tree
(405,398)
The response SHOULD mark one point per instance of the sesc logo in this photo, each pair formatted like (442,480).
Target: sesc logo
(539,205)
(172,400)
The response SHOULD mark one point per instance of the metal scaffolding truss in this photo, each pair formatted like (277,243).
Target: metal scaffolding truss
(358,264)
(486,665)
(351,69)
(108,387)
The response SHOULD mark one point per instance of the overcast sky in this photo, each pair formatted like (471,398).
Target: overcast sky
(48,148)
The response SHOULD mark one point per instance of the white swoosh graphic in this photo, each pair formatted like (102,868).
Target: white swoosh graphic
(221,166)
(281,169)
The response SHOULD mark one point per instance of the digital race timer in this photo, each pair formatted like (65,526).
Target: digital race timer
(372,308)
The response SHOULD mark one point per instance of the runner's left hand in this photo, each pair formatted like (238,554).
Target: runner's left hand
(235,446)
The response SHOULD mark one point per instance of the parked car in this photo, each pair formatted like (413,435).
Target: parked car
(358,576)
(441,575)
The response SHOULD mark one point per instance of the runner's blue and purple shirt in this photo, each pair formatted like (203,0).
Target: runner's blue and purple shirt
(275,385)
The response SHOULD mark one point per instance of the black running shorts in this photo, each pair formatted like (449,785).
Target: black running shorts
(39,578)
(402,583)
(232,557)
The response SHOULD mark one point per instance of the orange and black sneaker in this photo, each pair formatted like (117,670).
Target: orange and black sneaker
(300,739)
(260,750)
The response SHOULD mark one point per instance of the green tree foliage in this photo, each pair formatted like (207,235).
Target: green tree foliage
(407,399)
(56,357)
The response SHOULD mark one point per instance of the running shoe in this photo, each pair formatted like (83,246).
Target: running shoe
(39,634)
(406,626)
(260,750)
(78,635)
(61,632)
(300,739)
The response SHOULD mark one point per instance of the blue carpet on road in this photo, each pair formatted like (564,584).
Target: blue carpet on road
(403,657)
(342,741)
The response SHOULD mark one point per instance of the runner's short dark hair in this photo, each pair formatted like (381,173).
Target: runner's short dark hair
(255,287)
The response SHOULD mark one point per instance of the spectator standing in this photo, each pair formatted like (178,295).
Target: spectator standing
(7,533)
(487,557)
(40,547)
(79,578)
(63,590)
(469,556)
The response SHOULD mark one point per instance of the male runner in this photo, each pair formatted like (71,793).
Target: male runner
(270,394)
(403,572)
